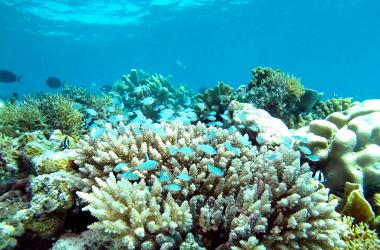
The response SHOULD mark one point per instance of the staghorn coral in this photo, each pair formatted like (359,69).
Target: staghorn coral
(21,118)
(134,87)
(359,236)
(268,85)
(60,114)
(258,202)
(134,216)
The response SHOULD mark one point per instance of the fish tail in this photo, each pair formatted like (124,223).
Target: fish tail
(19,79)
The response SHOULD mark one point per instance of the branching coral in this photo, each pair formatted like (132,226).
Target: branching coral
(21,118)
(360,236)
(253,198)
(136,86)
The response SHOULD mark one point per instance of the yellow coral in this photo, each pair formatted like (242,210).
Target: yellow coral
(359,236)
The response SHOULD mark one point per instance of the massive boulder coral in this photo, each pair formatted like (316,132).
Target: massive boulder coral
(348,144)
(205,185)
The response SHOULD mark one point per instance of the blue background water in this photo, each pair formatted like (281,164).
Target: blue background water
(333,46)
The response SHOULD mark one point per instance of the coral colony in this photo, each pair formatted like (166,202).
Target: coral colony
(151,165)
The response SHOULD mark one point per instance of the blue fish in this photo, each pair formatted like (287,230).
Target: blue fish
(148,165)
(211,118)
(241,126)
(207,149)
(130,176)
(184,177)
(287,140)
(313,158)
(212,113)
(304,150)
(254,128)
(164,177)
(120,166)
(92,112)
(215,171)
(211,135)
(218,124)
(77,105)
(232,130)
(225,117)
(137,131)
(260,139)
(242,116)
(173,187)
(98,133)
(185,150)
(245,141)
(172,150)
(272,157)
(229,146)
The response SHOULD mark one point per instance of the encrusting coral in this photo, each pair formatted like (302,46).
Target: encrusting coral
(180,182)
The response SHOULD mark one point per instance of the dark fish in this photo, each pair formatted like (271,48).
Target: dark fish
(54,82)
(7,76)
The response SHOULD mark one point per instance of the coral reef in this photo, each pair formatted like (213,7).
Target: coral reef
(348,144)
(216,99)
(152,93)
(359,236)
(268,85)
(245,199)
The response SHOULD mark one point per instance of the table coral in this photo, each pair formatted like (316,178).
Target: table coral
(258,201)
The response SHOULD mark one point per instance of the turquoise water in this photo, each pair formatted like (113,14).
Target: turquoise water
(333,46)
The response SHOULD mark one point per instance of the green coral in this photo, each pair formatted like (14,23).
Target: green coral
(21,118)
(216,99)
(359,236)
(274,91)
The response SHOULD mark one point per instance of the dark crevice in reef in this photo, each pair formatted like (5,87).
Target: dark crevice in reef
(77,221)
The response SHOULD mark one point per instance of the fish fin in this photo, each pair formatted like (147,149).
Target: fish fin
(19,79)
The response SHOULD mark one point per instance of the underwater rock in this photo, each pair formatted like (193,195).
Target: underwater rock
(270,129)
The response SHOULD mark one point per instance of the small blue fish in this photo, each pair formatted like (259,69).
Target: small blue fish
(94,125)
(211,135)
(163,178)
(98,133)
(184,177)
(254,128)
(212,113)
(241,126)
(172,150)
(225,117)
(271,157)
(229,146)
(287,140)
(245,141)
(120,166)
(215,171)
(185,150)
(232,130)
(313,158)
(305,150)
(173,187)
(218,124)
(130,176)
(242,116)
(260,139)
(109,109)
(211,118)
(297,138)
(148,101)
(137,131)
(92,112)
(77,105)
(148,165)
(207,149)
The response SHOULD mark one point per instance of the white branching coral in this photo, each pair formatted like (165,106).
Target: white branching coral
(136,217)
(219,191)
